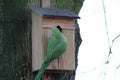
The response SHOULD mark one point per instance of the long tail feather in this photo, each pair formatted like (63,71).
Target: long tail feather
(41,71)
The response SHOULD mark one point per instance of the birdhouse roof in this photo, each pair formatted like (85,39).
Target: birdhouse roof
(55,13)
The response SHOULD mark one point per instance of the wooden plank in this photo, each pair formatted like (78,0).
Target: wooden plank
(46,3)
(37,49)
(41,32)
(64,22)
(63,62)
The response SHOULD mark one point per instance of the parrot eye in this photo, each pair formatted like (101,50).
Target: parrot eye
(59,28)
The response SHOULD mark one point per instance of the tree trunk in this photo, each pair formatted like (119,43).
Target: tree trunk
(15,38)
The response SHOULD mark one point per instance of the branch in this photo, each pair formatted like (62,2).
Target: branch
(103,71)
(94,68)
(115,39)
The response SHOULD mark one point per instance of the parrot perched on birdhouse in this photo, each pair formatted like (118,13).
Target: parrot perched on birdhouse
(57,45)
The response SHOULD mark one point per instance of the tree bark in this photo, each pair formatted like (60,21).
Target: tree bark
(15,38)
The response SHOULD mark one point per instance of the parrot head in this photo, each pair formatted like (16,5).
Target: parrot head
(56,31)
(59,28)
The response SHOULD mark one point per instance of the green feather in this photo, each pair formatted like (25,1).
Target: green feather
(57,45)
(41,71)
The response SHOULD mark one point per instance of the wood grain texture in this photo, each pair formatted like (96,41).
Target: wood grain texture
(41,32)
(45,3)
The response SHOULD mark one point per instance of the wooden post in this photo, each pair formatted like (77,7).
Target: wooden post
(47,76)
(45,3)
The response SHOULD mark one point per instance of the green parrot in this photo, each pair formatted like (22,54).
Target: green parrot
(57,45)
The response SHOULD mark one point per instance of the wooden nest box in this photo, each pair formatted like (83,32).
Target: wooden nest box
(42,21)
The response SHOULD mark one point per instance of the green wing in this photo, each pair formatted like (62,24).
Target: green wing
(50,47)
(55,48)
(58,50)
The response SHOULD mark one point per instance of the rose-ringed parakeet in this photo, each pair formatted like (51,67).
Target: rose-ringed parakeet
(57,45)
